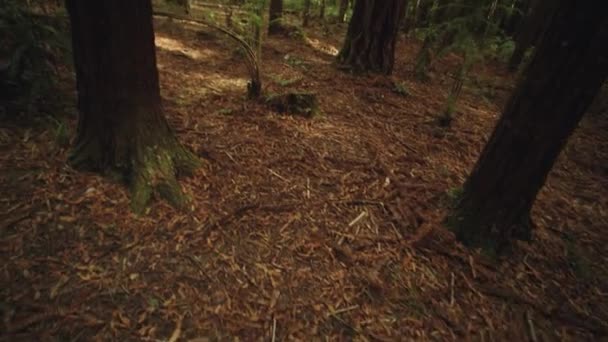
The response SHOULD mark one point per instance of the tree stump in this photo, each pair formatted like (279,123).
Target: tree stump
(294,103)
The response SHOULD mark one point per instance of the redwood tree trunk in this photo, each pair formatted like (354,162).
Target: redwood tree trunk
(275,17)
(567,71)
(372,35)
(121,126)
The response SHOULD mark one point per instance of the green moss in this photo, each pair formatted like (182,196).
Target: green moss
(141,192)
(453,195)
(401,89)
(157,172)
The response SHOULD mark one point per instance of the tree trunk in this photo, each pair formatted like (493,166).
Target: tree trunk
(306,14)
(425,13)
(275,16)
(372,35)
(342,10)
(322,10)
(566,73)
(530,31)
(121,126)
(411,17)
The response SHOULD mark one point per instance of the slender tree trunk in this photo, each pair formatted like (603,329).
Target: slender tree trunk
(567,71)
(425,14)
(322,10)
(342,10)
(412,16)
(372,35)
(306,14)
(275,16)
(121,126)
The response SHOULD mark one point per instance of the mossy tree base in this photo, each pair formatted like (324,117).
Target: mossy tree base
(542,113)
(121,126)
(149,167)
(157,174)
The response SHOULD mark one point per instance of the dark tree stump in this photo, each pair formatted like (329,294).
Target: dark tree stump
(301,104)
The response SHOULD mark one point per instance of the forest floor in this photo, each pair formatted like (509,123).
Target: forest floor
(325,228)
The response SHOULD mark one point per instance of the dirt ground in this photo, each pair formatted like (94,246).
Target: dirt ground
(300,229)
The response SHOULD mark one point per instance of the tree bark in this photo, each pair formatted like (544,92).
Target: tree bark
(566,73)
(121,126)
(372,35)
(306,14)
(275,16)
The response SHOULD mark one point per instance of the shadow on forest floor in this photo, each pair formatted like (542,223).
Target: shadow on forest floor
(299,227)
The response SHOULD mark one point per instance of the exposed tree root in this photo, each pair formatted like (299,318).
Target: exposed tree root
(156,173)
(148,170)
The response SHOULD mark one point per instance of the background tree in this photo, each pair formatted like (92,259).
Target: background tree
(342,10)
(275,16)
(512,15)
(567,71)
(121,126)
(306,13)
(322,9)
(372,35)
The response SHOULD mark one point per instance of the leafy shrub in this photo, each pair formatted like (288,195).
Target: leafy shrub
(500,48)
(401,89)
(31,46)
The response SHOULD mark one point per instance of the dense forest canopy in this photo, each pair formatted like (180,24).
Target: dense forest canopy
(197,170)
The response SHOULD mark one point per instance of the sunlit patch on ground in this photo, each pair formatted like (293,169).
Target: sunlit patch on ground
(198,85)
(177,46)
(223,82)
(322,47)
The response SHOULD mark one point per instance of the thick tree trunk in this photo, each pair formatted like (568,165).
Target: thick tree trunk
(566,73)
(372,35)
(275,16)
(121,126)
